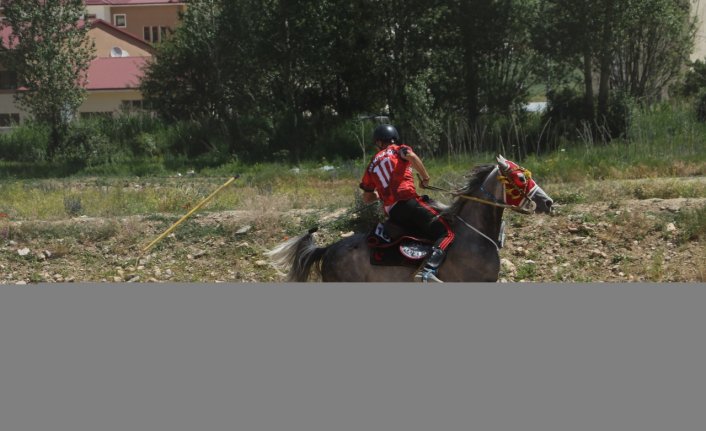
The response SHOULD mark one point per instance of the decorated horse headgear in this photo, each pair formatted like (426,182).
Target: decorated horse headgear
(519,187)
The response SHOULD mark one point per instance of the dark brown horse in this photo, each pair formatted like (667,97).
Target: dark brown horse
(476,216)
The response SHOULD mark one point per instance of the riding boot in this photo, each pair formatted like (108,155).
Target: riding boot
(431,267)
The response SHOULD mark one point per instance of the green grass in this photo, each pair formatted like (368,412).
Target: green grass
(663,143)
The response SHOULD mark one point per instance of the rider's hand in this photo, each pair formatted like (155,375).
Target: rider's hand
(425,182)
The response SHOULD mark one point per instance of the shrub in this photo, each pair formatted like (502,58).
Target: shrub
(25,143)
(86,145)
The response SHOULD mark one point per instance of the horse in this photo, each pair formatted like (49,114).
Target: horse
(475,216)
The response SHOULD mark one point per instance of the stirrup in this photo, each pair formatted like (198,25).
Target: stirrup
(427,275)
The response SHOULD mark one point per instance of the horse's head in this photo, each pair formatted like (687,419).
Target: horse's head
(520,190)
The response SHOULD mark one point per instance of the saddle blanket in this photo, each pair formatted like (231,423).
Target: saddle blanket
(405,250)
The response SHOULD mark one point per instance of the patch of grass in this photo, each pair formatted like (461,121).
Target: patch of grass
(72,205)
(691,225)
(526,271)
(655,271)
(569,197)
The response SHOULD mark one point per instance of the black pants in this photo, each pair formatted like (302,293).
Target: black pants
(420,218)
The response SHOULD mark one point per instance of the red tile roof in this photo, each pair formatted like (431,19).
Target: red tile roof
(5,35)
(115,73)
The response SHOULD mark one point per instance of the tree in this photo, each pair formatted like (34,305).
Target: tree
(50,51)
(635,47)
(656,39)
(210,72)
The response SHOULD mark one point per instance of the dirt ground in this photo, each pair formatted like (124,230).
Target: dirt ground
(630,240)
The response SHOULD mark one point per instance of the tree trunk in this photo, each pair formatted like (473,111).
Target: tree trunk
(588,83)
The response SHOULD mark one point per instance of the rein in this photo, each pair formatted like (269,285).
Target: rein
(494,203)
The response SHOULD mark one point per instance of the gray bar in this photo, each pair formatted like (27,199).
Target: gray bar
(353,357)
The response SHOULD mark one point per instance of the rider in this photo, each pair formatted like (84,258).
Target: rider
(388,177)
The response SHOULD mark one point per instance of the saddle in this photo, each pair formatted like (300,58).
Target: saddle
(391,245)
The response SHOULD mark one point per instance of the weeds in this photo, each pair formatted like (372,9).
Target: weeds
(692,225)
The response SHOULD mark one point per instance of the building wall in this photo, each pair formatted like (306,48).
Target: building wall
(101,12)
(105,39)
(96,102)
(137,18)
(108,101)
(7,104)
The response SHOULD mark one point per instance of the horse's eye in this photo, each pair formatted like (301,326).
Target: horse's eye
(521,177)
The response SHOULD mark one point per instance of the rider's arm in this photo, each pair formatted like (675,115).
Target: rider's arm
(368,187)
(417,164)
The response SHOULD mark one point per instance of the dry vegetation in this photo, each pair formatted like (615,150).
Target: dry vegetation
(613,231)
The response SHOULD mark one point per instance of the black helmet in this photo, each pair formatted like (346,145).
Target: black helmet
(386,133)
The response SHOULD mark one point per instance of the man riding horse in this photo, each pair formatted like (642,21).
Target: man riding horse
(389,178)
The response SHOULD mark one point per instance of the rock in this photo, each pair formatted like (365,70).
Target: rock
(597,253)
(199,253)
(23,251)
(21,282)
(520,251)
(133,278)
(243,230)
(261,263)
(508,267)
(671,227)
(117,279)
(347,234)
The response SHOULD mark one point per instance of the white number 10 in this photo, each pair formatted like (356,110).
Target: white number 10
(384,172)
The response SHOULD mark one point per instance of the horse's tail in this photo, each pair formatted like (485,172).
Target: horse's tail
(298,255)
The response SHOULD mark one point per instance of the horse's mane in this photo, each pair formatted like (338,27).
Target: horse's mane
(475,180)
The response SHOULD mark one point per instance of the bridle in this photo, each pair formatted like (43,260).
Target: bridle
(526,206)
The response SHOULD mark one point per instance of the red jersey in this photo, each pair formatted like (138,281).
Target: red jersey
(390,175)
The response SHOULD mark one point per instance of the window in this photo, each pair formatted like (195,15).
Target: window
(131,105)
(8,80)
(155,33)
(7,120)
(120,20)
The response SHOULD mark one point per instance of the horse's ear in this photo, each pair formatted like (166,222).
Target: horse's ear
(502,162)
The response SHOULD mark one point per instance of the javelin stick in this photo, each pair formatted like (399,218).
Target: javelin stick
(187,215)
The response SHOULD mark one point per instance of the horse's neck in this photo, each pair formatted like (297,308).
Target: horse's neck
(487,219)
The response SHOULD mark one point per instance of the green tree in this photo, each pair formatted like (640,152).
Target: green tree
(209,72)
(49,49)
(633,47)
(655,41)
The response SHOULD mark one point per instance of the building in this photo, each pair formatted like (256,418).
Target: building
(698,8)
(113,76)
(123,32)
(149,20)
